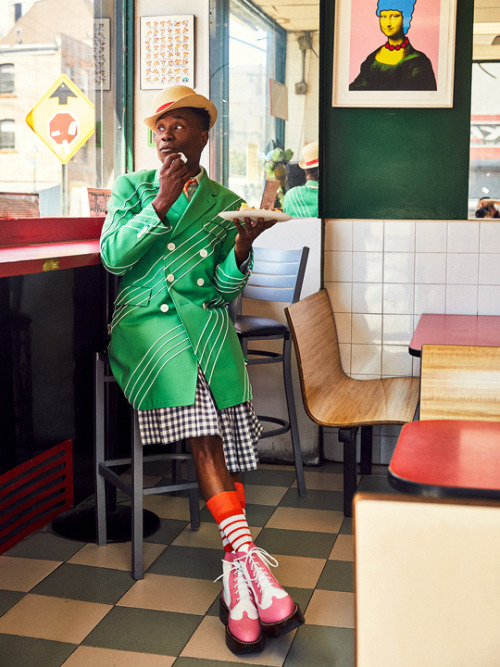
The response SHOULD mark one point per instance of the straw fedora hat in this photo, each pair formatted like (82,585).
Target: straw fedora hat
(176,97)
(310,155)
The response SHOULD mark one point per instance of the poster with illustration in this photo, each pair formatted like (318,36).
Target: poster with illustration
(167,51)
(394,53)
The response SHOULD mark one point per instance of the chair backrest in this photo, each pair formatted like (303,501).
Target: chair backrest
(426,581)
(277,275)
(312,324)
(460,382)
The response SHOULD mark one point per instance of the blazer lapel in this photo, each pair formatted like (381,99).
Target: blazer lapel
(203,200)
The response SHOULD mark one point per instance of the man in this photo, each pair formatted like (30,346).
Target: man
(302,200)
(174,351)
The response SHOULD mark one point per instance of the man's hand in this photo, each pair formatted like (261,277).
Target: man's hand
(174,172)
(247,234)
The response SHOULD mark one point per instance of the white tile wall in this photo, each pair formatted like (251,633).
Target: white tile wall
(398,270)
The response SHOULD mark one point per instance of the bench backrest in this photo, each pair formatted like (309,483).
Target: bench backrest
(460,382)
(314,333)
(426,581)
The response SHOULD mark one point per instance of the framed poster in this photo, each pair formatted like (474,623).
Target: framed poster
(394,53)
(167,51)
(102,54)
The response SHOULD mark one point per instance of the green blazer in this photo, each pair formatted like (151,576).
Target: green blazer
(171,309)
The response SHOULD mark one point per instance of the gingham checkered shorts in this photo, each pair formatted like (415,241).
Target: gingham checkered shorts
(237,426)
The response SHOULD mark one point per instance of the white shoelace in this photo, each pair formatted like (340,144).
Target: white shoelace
(269,560)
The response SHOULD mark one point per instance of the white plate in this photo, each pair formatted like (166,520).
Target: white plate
(254,214)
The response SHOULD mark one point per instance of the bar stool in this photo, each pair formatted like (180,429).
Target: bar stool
(135,488)
(277,275)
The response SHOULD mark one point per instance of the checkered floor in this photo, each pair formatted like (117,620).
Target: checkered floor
(70,603)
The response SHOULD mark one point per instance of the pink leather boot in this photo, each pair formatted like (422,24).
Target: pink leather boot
(278,613)
(238,611)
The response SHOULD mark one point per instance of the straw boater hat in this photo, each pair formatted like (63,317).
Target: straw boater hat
(310,155)
(176,97)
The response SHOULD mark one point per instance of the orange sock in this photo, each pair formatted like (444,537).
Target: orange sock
(240,490)
(227,511)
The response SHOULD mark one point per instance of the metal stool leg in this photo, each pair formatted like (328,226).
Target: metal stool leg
(292,416)
(100,483)
(137,503)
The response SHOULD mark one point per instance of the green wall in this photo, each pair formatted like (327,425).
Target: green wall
(396,163)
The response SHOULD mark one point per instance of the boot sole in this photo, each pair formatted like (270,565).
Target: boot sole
(236,645)
(288,624)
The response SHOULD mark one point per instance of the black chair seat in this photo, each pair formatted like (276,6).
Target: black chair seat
(247,325)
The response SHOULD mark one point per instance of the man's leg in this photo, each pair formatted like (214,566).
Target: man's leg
(277,611)
(238,611)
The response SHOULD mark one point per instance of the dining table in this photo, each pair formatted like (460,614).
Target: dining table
(448,458)
(451,329)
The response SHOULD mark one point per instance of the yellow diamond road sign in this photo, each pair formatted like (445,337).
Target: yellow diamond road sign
(64,118)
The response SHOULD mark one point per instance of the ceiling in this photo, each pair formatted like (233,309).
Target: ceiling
(293,15)
(303,15)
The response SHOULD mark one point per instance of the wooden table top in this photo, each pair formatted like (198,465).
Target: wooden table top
(448,458)
(438,329)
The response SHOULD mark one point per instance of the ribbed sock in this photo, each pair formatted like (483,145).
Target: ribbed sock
(227,511)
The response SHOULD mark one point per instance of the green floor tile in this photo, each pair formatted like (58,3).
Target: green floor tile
(8,599)
(143,630)
(196,662)
(376,484)
(47,546)
(29,652)
(338,575)
(346,527)
(91,584)
(167,532)
(189,562)
(296,542)
(271,477)
(314,500)
(319,646)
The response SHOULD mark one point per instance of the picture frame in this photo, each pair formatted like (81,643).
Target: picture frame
(102,54)
(167,51)
(359,40)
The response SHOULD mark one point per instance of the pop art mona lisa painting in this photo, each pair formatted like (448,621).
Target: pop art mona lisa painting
(394,53)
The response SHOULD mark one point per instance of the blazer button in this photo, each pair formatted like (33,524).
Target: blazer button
(170,278)
(200,282)
(171,246)
(164,308)
(203,252)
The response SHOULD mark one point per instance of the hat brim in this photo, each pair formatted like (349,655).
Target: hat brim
(196,101)
(309,165)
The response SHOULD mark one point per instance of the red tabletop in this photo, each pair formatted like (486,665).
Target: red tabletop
(454,458)
(455,330)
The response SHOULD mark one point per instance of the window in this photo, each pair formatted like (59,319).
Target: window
(484,175)
(7,135)
(257,52)
(6,78)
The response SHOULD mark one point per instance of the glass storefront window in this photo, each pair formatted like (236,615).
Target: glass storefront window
(39,41)
(484,177)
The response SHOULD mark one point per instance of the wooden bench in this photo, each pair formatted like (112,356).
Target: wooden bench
(460,382)
(333,399)
(426,581)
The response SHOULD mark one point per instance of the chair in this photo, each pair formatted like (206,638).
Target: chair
(460,382)
(426,581)
(333,399)
(104,471)
(277,276)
